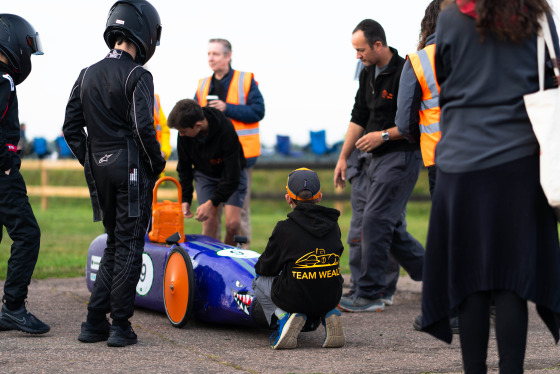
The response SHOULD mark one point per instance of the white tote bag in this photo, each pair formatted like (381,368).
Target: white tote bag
(543,108)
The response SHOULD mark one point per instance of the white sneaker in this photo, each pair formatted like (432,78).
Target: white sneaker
(388,300)
(334,333)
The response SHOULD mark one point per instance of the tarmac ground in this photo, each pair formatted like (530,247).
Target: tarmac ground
(382,342)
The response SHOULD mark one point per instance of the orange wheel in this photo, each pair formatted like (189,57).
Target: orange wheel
(178,287)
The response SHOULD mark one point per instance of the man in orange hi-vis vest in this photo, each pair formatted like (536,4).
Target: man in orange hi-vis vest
(237,95)
(162,130)
(418,112)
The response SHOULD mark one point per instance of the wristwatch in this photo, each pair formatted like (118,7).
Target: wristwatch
(385,136)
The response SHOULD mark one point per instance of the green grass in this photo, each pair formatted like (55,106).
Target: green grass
(67,227)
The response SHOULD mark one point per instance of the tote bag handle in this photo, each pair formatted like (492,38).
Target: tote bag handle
(545,37)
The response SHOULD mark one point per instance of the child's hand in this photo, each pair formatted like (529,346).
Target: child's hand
(187,210)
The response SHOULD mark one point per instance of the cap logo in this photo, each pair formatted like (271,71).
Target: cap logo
(120,22)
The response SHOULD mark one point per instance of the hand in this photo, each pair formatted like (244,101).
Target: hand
(340,173)
(369,142)
(205,211)
(7,172)
(187,210)
(217,104)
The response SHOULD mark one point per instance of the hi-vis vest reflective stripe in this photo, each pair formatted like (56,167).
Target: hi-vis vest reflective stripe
(423,65)
(237,94)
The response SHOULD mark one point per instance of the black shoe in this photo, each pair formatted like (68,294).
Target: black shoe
(2,328)
(22,320)
(453,323)
(119,337)
(417,324)
(92,334)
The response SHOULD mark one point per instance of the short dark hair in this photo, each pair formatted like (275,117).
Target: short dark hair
(373,32)
(185,114)
(224,42)
(120,38)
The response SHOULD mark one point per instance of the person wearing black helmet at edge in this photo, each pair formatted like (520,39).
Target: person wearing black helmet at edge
(113,100)
(18,41)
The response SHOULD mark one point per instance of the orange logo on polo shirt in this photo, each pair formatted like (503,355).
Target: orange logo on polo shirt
(386,95)
(215,161)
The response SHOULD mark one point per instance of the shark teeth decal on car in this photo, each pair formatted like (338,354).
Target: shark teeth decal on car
(243,300)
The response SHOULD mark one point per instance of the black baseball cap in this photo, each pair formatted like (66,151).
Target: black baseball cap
(303,179)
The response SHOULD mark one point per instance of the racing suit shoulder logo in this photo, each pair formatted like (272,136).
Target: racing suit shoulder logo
(114,54)
(9,77)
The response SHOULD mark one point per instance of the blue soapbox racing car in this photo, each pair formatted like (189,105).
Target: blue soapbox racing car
(190,276)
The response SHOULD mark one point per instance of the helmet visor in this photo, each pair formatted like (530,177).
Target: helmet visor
(158,34)
(34,42)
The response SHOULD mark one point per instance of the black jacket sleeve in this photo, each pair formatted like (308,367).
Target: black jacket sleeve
(74,122)
(185,171)
(231,174)
(5,155)
(271,262)
(142,115)
(360,111)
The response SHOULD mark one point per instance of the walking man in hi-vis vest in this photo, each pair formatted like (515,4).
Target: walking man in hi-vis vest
(237,95)
(418,111)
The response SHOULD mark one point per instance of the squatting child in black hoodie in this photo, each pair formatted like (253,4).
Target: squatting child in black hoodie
(298,279)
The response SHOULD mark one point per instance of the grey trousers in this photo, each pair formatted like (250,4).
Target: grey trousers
(358,200)
(262,287)
(391,179)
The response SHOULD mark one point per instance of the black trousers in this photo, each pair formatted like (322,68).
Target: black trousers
(18,218)
(511,330)
(114,289)
(432,171)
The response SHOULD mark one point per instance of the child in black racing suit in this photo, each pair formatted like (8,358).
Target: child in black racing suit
(18,41)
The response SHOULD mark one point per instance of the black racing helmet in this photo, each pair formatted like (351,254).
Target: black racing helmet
(18,41)
(139,22)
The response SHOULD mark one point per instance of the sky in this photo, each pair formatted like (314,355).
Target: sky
(299,51)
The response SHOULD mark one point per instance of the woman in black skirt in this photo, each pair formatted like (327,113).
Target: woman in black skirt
(492,237)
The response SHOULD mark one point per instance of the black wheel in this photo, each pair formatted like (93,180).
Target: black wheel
(178,287)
